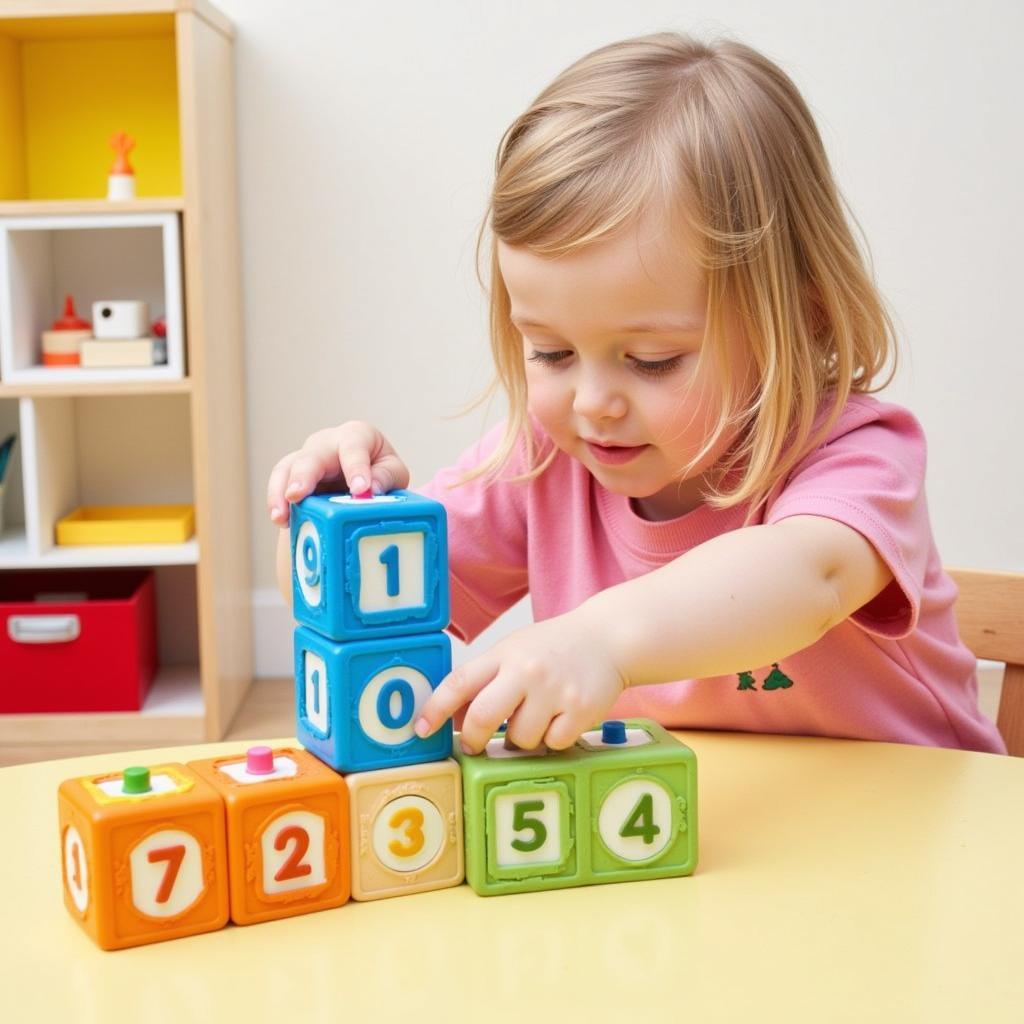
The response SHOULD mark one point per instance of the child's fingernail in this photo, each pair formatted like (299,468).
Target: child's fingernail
(422,727)
(466,748)
(378,487)
(293,488)
(358,485)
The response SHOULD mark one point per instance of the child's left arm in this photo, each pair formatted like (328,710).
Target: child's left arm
(748,597)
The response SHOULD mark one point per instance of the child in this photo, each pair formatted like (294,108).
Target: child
(718,527)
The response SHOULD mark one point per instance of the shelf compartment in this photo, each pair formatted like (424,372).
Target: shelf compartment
(126,525)
(98,450)
(93,257)
(66,84)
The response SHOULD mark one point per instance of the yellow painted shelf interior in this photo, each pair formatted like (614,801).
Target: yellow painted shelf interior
(127,524)
(67,85)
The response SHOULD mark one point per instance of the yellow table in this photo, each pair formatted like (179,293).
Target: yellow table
(838,881)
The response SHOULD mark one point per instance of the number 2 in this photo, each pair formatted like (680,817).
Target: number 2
(293,866)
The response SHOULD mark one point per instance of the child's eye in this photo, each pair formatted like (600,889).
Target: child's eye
(540,356)
(656,369)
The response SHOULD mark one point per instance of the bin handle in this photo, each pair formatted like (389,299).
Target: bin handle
(43,629)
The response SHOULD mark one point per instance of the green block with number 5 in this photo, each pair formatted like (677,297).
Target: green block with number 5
(619,805)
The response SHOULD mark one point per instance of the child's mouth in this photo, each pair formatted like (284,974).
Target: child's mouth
(616,454)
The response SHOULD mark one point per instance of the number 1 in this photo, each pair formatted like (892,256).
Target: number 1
(389,559)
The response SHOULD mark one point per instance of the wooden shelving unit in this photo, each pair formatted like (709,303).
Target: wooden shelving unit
(162,70)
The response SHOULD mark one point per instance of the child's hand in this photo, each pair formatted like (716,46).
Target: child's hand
(356,456)
(552,680)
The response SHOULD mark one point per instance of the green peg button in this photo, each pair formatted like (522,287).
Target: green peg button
(136,780)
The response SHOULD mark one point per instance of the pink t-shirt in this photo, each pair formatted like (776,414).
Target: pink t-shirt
(896,670)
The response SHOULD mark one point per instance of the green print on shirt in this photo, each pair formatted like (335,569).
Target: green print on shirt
(775,680)
(747,681)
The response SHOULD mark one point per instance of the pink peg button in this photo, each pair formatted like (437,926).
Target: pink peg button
(259,761)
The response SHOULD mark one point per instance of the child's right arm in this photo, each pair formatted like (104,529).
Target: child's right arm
(355,457)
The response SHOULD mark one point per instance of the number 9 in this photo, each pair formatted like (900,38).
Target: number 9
(308,570)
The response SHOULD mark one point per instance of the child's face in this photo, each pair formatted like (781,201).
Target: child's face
(594,376)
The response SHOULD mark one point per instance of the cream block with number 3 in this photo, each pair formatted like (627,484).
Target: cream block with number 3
(406,829)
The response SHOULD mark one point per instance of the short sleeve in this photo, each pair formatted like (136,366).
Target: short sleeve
(871,477)
(487,538)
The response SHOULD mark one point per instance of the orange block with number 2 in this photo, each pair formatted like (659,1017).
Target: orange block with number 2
(144,855)
(288,832)
(406,829)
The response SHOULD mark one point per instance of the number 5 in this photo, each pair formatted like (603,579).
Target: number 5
(521,822)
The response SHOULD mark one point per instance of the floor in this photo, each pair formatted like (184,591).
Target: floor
(269,712)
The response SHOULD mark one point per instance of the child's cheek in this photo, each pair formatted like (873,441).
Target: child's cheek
(555,416)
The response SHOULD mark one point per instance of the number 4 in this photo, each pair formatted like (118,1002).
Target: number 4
(641,821)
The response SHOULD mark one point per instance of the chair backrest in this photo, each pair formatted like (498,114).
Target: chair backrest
(990,614)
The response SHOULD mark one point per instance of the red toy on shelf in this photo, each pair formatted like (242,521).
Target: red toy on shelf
(121,181)
(62,343)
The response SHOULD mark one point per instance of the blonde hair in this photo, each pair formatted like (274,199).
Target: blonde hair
(721,136)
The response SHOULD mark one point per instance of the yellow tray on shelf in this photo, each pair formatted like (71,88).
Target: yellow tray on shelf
(127,524)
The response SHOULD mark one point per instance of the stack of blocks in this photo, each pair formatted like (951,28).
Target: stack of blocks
(368,809)
(370,589)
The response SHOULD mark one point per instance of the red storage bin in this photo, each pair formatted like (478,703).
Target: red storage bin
(76,640)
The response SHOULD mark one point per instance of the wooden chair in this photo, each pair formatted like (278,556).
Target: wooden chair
(990,613)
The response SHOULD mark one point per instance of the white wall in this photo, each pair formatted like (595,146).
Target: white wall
(367,136)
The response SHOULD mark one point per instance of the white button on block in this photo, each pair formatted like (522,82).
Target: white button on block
(308,556)
(167,873)
(408,834)
(403,690)
(316,691)
(76,868)
(525,832)
(391,571)
(293,852)
(635,820)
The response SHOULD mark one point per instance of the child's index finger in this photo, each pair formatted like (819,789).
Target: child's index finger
(457,688)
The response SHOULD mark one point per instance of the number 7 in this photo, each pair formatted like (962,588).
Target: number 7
(174,856)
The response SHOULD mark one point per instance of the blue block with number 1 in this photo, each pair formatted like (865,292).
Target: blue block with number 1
(370,567)
(357,702)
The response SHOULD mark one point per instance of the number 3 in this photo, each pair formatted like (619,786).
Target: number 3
(412,818)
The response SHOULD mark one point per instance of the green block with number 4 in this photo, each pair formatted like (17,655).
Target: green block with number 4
(619,805)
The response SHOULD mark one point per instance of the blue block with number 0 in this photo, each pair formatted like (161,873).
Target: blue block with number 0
(357,702)
(366,567)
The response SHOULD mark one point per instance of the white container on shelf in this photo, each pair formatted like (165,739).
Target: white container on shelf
(92,257)
(120,318)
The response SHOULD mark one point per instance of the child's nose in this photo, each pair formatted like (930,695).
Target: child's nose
(598,399)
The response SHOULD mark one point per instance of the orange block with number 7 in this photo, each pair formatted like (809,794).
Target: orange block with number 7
(288,824)
(144,855)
